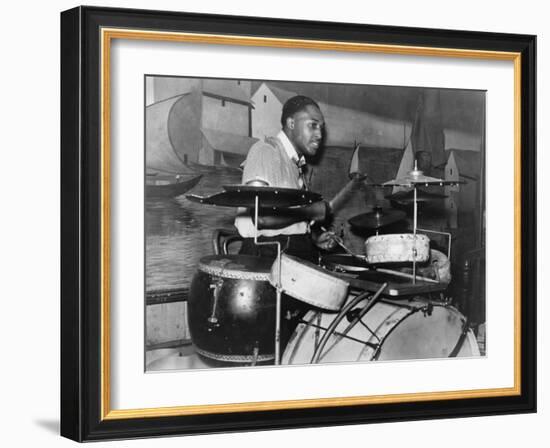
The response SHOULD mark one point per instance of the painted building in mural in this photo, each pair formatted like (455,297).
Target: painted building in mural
(465,166)
(345,127)
(193,121)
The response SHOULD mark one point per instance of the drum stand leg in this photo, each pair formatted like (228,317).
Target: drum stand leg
(278,287)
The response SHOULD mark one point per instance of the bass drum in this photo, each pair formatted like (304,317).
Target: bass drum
(390,330)
(231,309)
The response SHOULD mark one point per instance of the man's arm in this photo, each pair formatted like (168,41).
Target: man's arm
(280,218)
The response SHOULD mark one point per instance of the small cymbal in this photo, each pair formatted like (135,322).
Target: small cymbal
(377,219)
(268,197)
(407,197)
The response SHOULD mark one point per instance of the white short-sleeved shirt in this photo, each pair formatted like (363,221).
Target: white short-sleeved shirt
(274,162)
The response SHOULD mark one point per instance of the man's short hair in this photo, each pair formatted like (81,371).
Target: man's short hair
(296,104)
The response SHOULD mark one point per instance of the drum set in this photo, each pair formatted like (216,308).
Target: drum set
(387,303)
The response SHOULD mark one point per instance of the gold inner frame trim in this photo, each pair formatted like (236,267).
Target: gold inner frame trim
(107,35)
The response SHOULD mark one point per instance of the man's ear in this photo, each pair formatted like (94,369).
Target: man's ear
(290,123)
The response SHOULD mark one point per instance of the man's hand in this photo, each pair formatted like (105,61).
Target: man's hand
(326,240)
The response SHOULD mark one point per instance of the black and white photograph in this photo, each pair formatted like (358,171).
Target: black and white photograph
(292,218)
(295,223)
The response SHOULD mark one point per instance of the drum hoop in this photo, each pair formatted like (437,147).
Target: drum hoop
(313,302)
(472,342)
(234,358)
(391,236)
(233,273)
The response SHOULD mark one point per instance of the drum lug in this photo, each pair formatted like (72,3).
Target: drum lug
(428,309)
(216,286)
(255,353)
(351,315)
(291,315)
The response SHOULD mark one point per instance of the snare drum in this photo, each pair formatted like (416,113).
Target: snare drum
(397,248)
(310,283)
(231,309)
(391,330)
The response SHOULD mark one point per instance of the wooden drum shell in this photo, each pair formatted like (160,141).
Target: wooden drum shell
(397,248)
(231,309)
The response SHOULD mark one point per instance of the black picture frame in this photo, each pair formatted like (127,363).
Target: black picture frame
(83,407)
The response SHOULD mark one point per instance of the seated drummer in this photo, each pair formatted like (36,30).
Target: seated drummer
(280,162)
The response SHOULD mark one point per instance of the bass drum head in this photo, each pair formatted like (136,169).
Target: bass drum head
(422,336)
(389,331)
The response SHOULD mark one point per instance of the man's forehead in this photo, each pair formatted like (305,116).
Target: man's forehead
(309,113)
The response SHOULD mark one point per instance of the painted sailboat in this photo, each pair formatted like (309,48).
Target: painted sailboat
(166,185)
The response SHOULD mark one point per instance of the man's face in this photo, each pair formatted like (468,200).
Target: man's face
(305,130)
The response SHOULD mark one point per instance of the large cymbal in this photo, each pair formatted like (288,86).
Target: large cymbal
(417,178)
(378,218)
(268,197)
(407,197)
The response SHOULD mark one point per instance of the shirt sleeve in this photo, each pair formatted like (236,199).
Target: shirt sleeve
(259,164)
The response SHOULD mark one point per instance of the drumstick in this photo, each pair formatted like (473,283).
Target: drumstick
(340,242)
(404,274)
(382,270)
(354,175)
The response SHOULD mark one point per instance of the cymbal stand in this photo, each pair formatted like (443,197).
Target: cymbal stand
(415,173)
(415,226)
(415,222)
(278,286)
(437,232)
